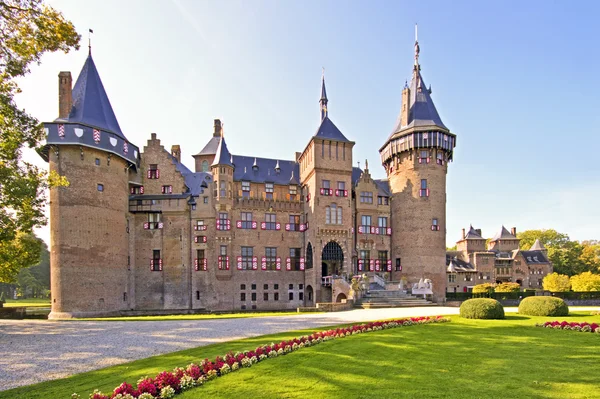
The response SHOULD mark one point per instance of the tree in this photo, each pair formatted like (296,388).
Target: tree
(28,29)
(585,281)
(508,287)
(548,237)
(34,281)
(483,288)
(590,255)
(556,282)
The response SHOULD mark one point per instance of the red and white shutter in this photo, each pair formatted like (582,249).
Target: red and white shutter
(371,264)
(301,263)
(196,264)
(263,225)
(160,264)
(377,265)
(277,226)
(389,265)
(263,263)
(254,263)
(278,264)
(254,224)
(239,263)
(361,263)
(288,264)
(205,264)
(146,225)
(238,224)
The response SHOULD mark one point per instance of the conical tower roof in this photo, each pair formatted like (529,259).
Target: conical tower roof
(537,246)
(91,105)
(223,156)
(503,234)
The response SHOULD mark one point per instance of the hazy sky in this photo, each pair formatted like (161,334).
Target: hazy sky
(516,81)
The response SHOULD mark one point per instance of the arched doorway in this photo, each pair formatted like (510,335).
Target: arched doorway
(309,295)
(332,259)
(340,297)
(309,256)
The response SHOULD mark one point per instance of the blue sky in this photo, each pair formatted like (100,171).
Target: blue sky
(516,81)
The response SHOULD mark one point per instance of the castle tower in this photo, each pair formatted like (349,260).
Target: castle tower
(89,228)
(416,157)
(326,177)
(203,159)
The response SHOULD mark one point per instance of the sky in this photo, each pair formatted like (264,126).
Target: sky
(516,81)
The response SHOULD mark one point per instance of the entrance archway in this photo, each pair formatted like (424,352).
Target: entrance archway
(309,295)
(332,259)
(340,297)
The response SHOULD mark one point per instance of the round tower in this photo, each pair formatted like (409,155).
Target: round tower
(416,157)
(89,244)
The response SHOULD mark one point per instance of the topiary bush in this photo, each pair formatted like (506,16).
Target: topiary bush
(481,308)
(543,306)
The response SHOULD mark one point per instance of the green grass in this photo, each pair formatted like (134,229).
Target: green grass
(29,303)
(463,359)
(190,316)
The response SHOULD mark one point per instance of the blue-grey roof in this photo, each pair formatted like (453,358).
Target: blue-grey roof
(223,156)
(196,182)
(211,147)
(458,265)
(264,170)
(91,105)
(328,130)
(422,111)
(356,173)
(473,234)
(534,257)
(383,186)
(323,91)
(503,234)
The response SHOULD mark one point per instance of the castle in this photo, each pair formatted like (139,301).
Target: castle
(137,231)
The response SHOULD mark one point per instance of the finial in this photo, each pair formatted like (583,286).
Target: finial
(366,164)
(417,49)
(90,31)
(323,100)
(231,158)
(277,168)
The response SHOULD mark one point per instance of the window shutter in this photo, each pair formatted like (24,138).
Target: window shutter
(263,225)
(301,263)
(149,174)
(278,264)
(360,265)
(288,264)
(157,173)
(254,224)
(196,264)
(146,225)
(277,226)
(389,265)
(254,263)
(287,227)
(160,264)
(371,264)
(238,224)
(239,263)
(263,264)
(377,265)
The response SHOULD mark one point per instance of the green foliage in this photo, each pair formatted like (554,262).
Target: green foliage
(2,298)
(483,288)
(28,29)
(34,281)
(543,306)
(585,281)
(508,287)
(481,308)
(20,252)
(556,282)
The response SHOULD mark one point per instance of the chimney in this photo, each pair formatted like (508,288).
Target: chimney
(405,106)
(176,152)
(152,136)
(65,94)
(478,232)
(513,231)
(298,155)
(218,128)
(463,234)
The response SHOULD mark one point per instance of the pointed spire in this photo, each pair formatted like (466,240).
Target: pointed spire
(323,100)
(537,246)
(277,168)
(223,156)
(417,49)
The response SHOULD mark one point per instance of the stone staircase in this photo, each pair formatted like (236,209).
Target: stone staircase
(378,298)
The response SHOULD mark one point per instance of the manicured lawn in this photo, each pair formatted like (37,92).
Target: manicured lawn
(191,316)
(462,359)
(29,303)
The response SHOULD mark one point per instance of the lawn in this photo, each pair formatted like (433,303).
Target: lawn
(462,359)
(29,303)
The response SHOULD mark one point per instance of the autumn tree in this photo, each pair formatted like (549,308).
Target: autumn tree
(585,281)
(28,30)
(508,287)
(556,282)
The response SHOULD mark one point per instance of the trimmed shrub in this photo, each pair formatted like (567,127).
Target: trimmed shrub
(481,308)
(508,287)
(543,306)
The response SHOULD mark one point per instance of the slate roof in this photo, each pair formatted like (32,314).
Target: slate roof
(356,173)
(534,257)
(537,246)
(473,234)
(503,234)
(422,111)
(327,130)
(383,186)
(196,182)
(458,265)
(265,172)
(211,147)
(223,156)
(91,105)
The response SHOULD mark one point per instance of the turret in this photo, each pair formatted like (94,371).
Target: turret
(203,159)
(222,170)
(415,157)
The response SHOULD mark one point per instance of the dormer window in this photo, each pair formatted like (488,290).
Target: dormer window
(293,191)
(246,189)
(269,190)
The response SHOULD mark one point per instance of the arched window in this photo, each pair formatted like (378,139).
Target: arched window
(205,166)
(309,256)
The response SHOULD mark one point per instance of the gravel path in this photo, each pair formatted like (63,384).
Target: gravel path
(32,351)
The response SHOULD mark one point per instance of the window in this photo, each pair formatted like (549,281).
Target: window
(452,278)
(154,221)
(247,255)
(382,222)
(266,296)
(383,200)
(424,156)
(383,257)
(156,264)
(223,188)
(295,258)
(301,296)
(223,221)
(291,287)
(341,189)
(291,296)
(253,297)
(205,166)
(275,286)
(153,172)
(325,188)
(243,287)
(199,225)
(167,189)
(293,192)
(246,220)
(434,225)
(136,190)
(253,286)
(294,222)
(468,277)
(366,197)
(200,260)
(246,189)
(309,256)
(205,200)
(440,158)
(271,258)
(300,286)
(398,264)
(325,184)
(424,191)
(243,297)
(276,296)
(341,185)
(333,214)
(223,259)
(270,223)
(97,161)
(365,254)
(100,187)
(365,223)
(269,190)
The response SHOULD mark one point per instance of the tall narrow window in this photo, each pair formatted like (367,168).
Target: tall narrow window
(223,189)
(270,221)
(295,258)
(294,222)
(153,172)
(246,220)
(424,191)
(247,255)
(154,221)
(424,156)
(223,259)
(156,260)
(245,189)
(271,258)
(205,166)
(200,260)
(309,256)
(382,223)
(365,221)
(434,225)
(269,190)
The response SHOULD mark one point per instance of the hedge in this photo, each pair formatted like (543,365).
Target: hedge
(481,308)
(543,306)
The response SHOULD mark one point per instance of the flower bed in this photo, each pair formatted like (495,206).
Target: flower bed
(168,384)
(565,325)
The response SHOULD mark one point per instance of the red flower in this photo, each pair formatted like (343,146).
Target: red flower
(147,386)
(123,389)
(194,371)
(167,379)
